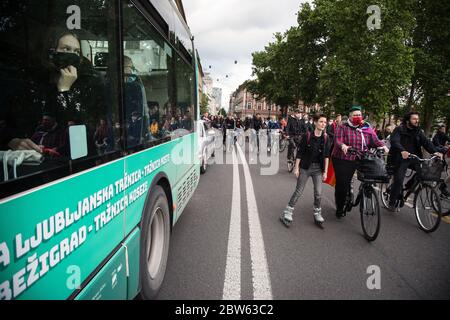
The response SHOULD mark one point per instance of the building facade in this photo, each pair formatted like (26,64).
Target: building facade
(243,103)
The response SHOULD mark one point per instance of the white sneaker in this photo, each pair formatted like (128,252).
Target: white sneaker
(287,216)
(318,215)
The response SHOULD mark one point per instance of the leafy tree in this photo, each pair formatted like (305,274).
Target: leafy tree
(204,104)
(430,86)
(222,112)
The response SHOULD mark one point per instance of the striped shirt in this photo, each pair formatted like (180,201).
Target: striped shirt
(361,138)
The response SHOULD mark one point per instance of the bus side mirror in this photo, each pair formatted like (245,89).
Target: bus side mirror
(78,142)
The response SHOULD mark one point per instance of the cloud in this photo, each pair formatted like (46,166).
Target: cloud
(229,30)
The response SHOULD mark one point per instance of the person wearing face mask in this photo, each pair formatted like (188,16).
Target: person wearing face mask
(406,139)
(356,134)
(56,86)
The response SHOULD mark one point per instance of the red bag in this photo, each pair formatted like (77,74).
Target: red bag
(331,177)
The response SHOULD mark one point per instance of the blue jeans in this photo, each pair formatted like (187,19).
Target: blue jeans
(315,172)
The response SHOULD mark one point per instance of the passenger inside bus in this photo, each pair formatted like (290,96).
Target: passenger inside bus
(59,91)
(135,103)
(51,137)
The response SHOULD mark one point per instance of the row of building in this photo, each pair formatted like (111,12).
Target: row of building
(243,103)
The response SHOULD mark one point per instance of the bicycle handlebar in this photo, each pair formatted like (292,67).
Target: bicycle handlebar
(379,152)
(413,156)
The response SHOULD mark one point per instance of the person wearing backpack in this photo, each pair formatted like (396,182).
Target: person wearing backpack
(312,161)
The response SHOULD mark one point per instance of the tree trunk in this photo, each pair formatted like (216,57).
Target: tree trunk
(427,117)
(411,94)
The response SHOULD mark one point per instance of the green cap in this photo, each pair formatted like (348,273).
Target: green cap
(356,108)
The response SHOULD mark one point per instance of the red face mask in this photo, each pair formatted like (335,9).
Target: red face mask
(357,120)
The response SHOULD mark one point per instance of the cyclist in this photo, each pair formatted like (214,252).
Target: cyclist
(239,128)
(228,123)
(356,134)
(258,124)
(406,139)
(440,141)
(272,125)
(312,162)
(294,130)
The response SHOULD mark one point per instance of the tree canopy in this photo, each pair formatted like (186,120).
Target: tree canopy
(333,58)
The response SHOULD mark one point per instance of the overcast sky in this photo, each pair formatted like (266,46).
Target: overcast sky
(229,30)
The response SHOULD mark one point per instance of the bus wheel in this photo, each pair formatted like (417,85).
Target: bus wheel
(155,239)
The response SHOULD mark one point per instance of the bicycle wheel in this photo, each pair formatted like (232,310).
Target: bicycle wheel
(370,213)
(275,146)
(385,190)
(427,207)
(290,165)
(283,145)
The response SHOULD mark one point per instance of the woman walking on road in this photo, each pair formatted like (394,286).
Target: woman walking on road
(312,161)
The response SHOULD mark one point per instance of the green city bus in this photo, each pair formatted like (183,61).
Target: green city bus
(98,146)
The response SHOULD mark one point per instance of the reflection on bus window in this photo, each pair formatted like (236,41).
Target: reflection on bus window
(150,61)
(52,78)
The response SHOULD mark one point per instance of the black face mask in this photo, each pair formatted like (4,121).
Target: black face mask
(64,59)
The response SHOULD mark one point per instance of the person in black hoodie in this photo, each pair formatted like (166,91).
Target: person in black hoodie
(63,85)
(440,139)
(312,161)
(258,124)
(295,129)
(228,124)
(406,139)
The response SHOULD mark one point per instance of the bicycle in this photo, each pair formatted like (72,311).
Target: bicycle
(442,187)
(367,198)
(293,155)
(239,136)
(229,140)
(274,139)
(426,204)
(283,142)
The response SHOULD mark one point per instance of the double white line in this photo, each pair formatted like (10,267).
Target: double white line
(262,289)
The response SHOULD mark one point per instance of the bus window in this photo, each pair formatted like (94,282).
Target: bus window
(51,81)
(148,79)
(185,94)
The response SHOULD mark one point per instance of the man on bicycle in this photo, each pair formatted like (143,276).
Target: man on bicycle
(355,134)
(440,141)
(272,125)
(228,124)
(294,130)
(258,124)
(406,139)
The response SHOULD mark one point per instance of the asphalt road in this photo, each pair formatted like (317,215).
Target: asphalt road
(259,258)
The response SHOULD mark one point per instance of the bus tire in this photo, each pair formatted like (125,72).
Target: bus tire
(155,238)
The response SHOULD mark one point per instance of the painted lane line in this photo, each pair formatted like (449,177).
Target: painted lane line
(232,284)
(262,289)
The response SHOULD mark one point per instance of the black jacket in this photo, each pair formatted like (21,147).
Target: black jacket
(229,124)
(295,127)
(411,140)
(440,139)
(305,150)
(258,124)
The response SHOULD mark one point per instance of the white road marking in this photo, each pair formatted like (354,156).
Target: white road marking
(232,284)
(262,289)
